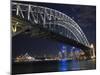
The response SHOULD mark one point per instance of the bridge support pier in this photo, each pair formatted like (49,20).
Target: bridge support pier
(92,52)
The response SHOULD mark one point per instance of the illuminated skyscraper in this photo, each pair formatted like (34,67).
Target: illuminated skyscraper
(64,52)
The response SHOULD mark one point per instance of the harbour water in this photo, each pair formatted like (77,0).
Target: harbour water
(52,66)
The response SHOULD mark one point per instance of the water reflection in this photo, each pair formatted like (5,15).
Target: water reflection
(63,65)
(75,65)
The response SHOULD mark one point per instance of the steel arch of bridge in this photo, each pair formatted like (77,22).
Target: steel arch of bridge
(52,19)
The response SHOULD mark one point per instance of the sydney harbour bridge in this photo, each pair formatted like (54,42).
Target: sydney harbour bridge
(48,23)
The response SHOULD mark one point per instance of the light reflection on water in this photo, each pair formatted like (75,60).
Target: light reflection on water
(65,65)
(75,65)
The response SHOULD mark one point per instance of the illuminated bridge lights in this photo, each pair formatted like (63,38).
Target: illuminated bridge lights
(46,17)
(48,23)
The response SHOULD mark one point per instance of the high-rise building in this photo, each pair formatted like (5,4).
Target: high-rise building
(63,53)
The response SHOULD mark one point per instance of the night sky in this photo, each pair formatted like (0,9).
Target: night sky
(85,16)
